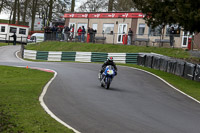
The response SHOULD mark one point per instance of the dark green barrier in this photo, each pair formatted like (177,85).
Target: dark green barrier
(68,56)
(42,55)
(99,57)
(131,58)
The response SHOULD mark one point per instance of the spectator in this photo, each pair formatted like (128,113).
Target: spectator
(14,38)
(91,32)
(67,33)
(130,36)
(79,34)
(71,32)
(171,36)
(83,34)
(54,32)
(59,32)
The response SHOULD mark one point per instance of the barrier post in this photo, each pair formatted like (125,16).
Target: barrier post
(88,38)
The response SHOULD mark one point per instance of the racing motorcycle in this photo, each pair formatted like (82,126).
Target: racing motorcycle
(107,76)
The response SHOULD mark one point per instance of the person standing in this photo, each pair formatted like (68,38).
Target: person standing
(83,34)
(71,32)
(14,38)
(171,36)
(79,33)
(130,36)
(66,33)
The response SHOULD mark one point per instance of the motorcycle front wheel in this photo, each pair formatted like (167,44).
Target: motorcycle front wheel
(107,83)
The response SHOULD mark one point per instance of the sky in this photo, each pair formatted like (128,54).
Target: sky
(6,16)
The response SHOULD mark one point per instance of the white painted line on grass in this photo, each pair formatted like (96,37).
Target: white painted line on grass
(166,83)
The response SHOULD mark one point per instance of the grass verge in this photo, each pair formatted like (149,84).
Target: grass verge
(189,87)
(3,44)
(20,110)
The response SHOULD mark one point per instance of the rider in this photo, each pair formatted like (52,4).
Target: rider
(106,63)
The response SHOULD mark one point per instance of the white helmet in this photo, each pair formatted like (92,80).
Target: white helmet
(110,59)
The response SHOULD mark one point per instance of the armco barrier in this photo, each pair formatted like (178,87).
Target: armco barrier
(80,56)
(118,57)
(197,73)
(98,57)
(83,56)
(68,56)
(30,54)
(42,55)
(131,58)
(54,56)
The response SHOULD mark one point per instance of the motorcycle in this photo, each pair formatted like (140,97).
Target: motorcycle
(107,76)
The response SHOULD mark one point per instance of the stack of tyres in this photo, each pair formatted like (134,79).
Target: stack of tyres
(189,71)
(156,62)
(164,63)
(141,59)
(180,68)
(148,61)
(171,67)
(197,73)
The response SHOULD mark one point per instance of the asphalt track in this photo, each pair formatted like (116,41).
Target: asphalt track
(137,102)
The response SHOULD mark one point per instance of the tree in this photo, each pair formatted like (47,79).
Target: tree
(72,5)
(123,5)
(186,13)
(110,5)
(14,12)
(93,6)
(34,9)
(25,11)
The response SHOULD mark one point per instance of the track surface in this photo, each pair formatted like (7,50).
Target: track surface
(136,103)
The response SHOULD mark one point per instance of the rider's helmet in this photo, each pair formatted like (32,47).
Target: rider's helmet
(110,59)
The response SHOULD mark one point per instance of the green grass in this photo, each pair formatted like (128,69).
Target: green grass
(190,87)
(20,110)
(3,44)
(90,47)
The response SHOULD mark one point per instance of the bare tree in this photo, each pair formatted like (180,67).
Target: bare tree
(110,5)
(72,5)
(93,6)
(14,12)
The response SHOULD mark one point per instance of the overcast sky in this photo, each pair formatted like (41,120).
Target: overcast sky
(6,16)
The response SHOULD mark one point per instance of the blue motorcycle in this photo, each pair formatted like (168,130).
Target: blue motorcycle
(107,76)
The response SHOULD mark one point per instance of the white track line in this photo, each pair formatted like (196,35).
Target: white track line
(165,82)
(41,98)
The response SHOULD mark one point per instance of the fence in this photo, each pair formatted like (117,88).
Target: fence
(3,37)
(80,56)
(21,40)
(155,40)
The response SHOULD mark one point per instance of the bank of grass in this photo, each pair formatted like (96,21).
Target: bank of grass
(20,110)
(3,44)
(90,47)
(189,87)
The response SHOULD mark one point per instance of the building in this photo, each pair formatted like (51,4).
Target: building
(113,25)
(7,30)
